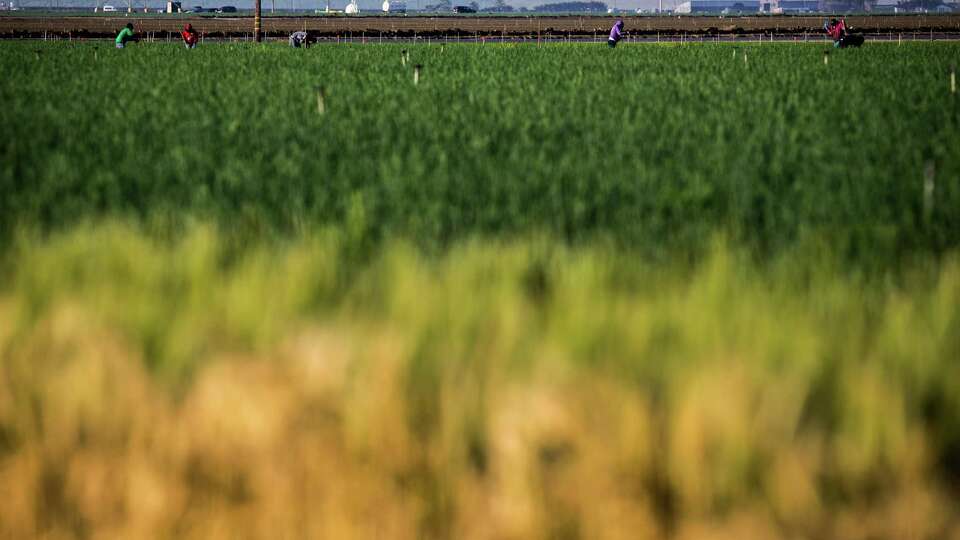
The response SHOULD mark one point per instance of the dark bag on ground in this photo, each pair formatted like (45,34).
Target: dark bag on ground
(853,40)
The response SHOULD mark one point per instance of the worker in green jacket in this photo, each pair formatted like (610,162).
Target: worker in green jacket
(125,35)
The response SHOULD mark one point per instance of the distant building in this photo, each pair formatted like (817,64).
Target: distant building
(913,6)
(796,6)
(886,6)
(719,6)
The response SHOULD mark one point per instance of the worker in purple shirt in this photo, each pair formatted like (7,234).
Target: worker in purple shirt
(616,33)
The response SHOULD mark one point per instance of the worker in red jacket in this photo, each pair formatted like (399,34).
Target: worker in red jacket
(837,30)
(190,36)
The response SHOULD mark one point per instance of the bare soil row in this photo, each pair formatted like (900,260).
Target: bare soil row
(465,27)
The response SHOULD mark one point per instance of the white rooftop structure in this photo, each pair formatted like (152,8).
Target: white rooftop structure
(718,6)
(797,6)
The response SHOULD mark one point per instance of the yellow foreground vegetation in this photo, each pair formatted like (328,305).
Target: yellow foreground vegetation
(193,389)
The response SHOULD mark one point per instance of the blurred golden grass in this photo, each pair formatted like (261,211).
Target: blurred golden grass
(189,389)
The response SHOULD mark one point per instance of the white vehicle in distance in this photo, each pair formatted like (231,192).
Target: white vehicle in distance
(107,8)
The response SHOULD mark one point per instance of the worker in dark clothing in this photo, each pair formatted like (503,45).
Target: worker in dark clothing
(301,39)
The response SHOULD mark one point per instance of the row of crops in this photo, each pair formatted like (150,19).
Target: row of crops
(565,291)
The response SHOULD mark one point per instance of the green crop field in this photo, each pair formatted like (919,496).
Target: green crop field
(696,291)
(654,147)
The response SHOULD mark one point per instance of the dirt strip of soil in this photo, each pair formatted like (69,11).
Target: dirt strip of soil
(467,27)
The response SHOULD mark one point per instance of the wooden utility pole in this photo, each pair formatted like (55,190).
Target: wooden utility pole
(256,21)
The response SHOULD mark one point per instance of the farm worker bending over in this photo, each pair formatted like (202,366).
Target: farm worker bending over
(837,30)
(300,39)
(125,35)
(616,33)
(190,36)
